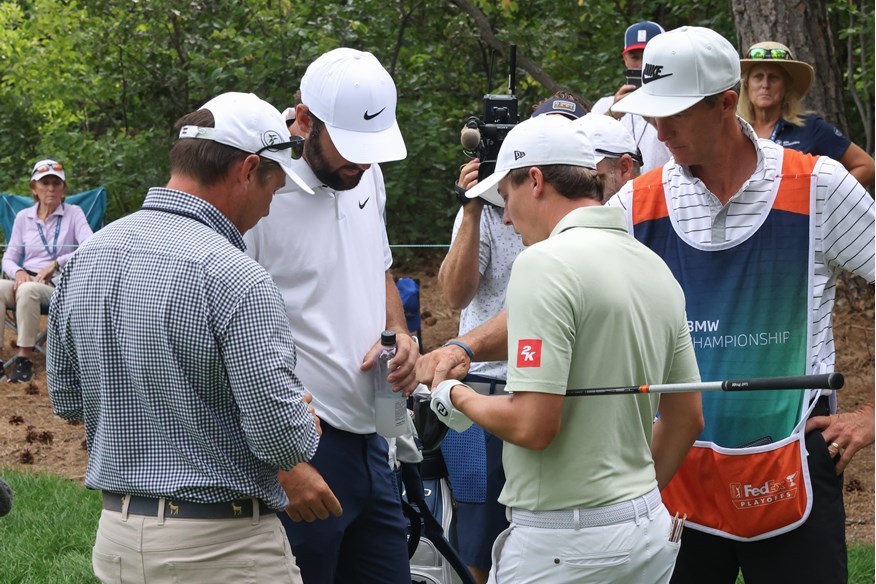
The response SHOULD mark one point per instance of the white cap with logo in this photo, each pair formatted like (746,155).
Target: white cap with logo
(245,122)
(680,68)
(355,96)
(538,141)
(609,137)
(48,167)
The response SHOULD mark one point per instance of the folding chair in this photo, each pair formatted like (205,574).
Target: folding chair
(92,203)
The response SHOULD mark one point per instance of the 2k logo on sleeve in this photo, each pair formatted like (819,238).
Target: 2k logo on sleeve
(529,353)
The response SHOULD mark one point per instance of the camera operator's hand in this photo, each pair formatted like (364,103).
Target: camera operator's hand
(468,174)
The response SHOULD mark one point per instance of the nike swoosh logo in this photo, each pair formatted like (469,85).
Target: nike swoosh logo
(365,202)
(655,78)
(368,116)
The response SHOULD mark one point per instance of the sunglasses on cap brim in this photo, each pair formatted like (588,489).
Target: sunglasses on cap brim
(780,54)
(295,143)
(609,154)
(57,167)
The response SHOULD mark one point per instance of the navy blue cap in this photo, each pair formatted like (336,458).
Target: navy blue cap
(566,107)
(638,35)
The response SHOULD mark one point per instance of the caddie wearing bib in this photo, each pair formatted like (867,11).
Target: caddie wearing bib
(756,234)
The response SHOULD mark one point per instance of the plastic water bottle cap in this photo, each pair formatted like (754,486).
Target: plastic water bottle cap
(387,338)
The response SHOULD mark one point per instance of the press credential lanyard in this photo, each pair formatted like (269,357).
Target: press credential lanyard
(54,251)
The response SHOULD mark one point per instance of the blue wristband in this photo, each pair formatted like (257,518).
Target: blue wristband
(464,347)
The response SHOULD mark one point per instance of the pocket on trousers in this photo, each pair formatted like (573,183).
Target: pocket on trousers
(107,568)
(211,572)
(607,560)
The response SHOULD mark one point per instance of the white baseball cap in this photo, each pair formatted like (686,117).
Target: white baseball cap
(679,68)
(538,141)
(245,122)
(48,167)
(609,137)
(355,96)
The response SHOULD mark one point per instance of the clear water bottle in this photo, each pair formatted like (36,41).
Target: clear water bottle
(390,407)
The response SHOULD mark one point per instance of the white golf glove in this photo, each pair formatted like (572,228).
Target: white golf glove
(444,409)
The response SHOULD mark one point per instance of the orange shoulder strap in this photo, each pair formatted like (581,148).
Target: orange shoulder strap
(649,201)
(795,189)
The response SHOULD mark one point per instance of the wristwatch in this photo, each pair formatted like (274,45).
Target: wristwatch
(460,194)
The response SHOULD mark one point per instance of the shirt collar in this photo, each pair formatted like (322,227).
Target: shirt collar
(748,132)
(34,210)
(596,217)
(182,203)
(303,170)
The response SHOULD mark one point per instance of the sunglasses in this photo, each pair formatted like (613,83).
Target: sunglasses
(769,54)
(295,143)
(47,167)
(609,154)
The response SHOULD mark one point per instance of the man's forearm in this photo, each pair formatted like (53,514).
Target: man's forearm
(674,432)
(489,342)
(395,310)
(459,275)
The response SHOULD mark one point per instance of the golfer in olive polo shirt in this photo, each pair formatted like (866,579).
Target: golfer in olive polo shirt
(588,306)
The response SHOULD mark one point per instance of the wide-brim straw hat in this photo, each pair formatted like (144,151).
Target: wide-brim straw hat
(802,74)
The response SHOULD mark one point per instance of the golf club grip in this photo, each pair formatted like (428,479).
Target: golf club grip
(824,381)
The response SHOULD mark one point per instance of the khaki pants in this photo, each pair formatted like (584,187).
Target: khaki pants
(27,302)
(138,549)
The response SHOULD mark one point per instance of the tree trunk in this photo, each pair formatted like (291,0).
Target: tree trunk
(803,26)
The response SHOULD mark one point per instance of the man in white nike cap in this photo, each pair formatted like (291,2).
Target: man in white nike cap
(329,254)
(618,159)
(588,306)
(152,332)
(756,235)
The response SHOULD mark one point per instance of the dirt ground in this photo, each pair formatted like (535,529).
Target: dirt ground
(32,437)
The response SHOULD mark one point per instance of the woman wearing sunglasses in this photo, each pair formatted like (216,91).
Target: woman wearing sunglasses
(43,237)
(773,87)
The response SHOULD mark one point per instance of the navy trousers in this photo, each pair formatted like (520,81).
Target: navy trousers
(368,542)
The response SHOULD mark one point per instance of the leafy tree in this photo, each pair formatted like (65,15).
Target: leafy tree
(99,83)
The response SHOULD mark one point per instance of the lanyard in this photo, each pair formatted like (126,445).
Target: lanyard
(54,251)
(776,129)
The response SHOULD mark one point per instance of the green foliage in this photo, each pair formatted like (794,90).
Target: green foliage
(98,84)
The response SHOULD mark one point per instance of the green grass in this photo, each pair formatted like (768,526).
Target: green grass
(47,537)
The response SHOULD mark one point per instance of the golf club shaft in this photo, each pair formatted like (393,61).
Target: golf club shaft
(825,381)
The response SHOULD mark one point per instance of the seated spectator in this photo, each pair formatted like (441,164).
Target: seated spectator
(773,87)
(43,237)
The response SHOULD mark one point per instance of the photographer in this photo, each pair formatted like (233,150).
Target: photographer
(654,153)
(473,278)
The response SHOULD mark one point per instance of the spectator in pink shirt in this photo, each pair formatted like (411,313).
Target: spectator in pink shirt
(43,239)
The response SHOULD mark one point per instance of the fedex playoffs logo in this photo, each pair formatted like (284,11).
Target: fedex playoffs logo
(772,491)
(529,353)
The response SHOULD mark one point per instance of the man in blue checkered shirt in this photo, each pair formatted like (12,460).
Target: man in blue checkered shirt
(173,347)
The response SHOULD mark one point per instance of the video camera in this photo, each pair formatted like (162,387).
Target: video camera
(482,138)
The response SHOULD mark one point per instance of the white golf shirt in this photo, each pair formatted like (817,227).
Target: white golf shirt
(328,254)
